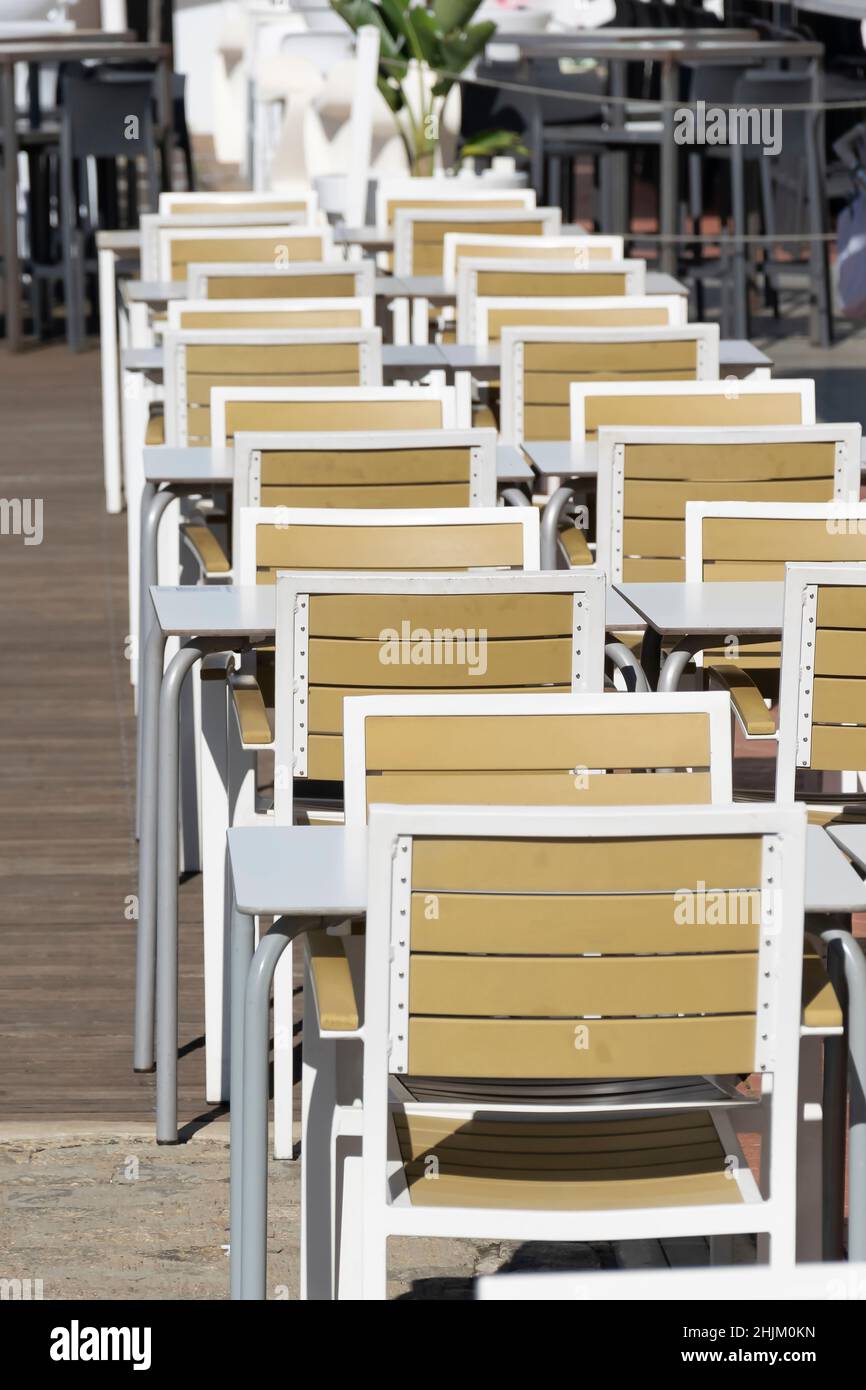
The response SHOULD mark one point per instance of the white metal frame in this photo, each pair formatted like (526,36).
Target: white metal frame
(613,440)
(705,336)
(249,447)
(376,1176)
(286,231)
(471,266)
(220,396)
(698,512)
(730,388)
(407,219)
(176,343)
(358,709)
(802,582)
(674,305)
(200,273)
(178,307)
(743,1285)
(153,224)
(445,190)
(575,248)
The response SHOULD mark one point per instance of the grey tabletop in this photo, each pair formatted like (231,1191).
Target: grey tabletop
(183,466)
(679,610)
(733,352)
(236,610)
(119,239)
(298,869)
(852,838)
(155,291)
(433,286)
(552,458)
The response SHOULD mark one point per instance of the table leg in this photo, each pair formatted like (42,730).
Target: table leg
(668,183)
(11,267)
(678,660)
(651,656)
(550,517)
(167,883)
(153,505)
(145,964)
(108,366)
(242,946)
(254,1143)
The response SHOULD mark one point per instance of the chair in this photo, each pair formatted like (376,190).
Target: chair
(539,366)
(153,224)
(489,278)
(467,1057)
(495,313)
(750,542)
(419,231)
(222,204)
(303,280)
(400,191)
(197,360)
(275,246)
(822,705)
(270,313)
(273,408)
(574,249)
(268,539)
(100,120)
(647,476)
(684,404)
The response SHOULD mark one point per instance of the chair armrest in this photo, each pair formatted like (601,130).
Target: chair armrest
(821,1007)
(333,990)
(573,542)
(205,546)
(250,710)
(154,433)
(756,719)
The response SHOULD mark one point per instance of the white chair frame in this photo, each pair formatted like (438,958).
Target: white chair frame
(220,396)
(514,340)
(201,273)
(575,249)
(613,440)
(674,305)
(287,232)
(581,390)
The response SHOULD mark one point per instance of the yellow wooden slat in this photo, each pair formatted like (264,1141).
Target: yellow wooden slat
(574,986)
(272,318)
(325,703)
(838,701)
(333,415)
(557,316)
(536,742)
(373,547)
(332,982)
(558,787)
(842,605)
(695,410)
(334,285)
(535,1048)
(446,659)
(781,539)
(273,359)
(732,461)
(200,386)
(668,499)
(675,864)
(611,923)
(841,653)
(838,748)
(701,1185)
(329,467)
(385,497)
(510,614)
(535,284)
(597,357)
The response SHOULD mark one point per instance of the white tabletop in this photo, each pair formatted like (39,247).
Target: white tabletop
(551,458)
(852,838)
(214,467)
(297,869)
(236,610)
(155,291)
(675,609)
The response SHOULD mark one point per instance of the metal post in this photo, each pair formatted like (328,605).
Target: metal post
(145,963)
(668,173)
(242,946)
(550,517)
(153,504)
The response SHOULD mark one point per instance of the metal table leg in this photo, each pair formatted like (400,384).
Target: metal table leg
(153,505)
(145,965)
(242,946)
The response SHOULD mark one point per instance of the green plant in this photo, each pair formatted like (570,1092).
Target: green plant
(423,49)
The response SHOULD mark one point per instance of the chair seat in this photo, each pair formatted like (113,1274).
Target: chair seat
(571,1165)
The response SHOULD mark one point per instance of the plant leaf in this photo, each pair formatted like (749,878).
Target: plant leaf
(489,142)
(454,14)
(427,36)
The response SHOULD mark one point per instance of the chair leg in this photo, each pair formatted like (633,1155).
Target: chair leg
(721,1250)
(318,1178)
(284,1056)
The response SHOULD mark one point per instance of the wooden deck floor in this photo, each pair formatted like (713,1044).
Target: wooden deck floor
(67,753)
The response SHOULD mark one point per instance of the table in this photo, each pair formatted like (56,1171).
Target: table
(208,620)
(59,49)
(552,458)
(852,839)
(737,357)
(287,872)
(698,615)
